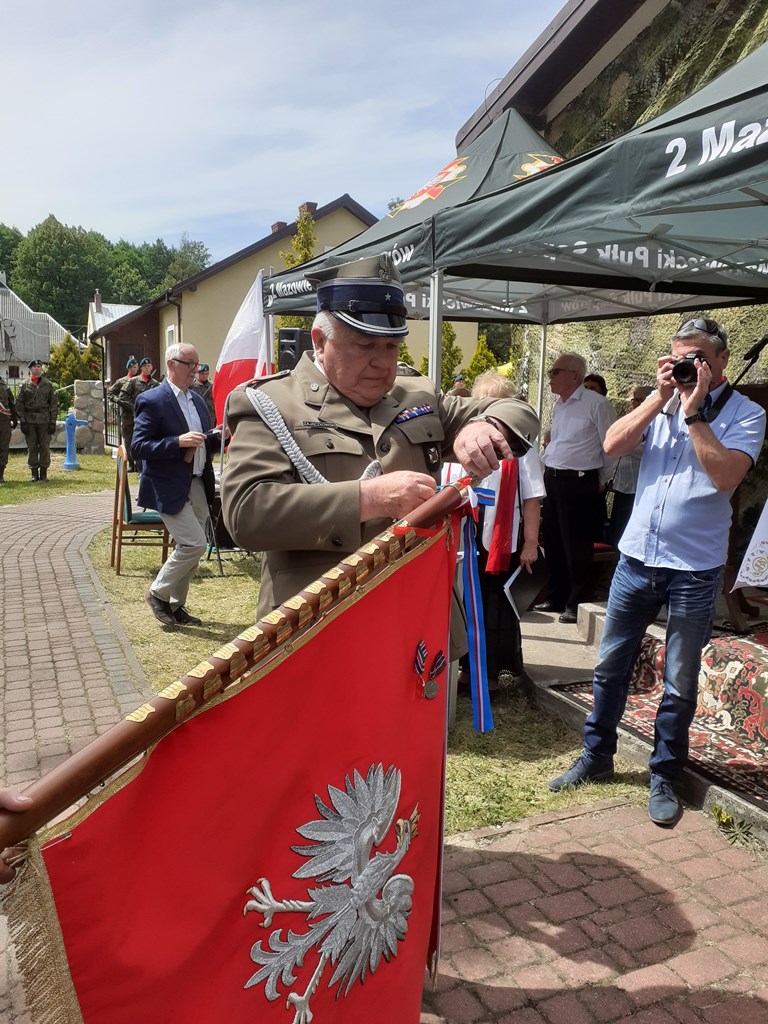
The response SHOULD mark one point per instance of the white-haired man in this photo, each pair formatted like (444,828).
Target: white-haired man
(576,471)
(701,438)
(170,438)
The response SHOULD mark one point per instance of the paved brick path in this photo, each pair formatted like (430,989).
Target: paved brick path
(587,917)
(597,915)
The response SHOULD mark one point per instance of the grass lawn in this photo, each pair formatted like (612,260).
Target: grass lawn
(493,778)
(96,473)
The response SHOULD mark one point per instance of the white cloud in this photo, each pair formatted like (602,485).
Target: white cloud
(142,120)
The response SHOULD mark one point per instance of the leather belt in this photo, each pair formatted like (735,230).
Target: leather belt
(569,472)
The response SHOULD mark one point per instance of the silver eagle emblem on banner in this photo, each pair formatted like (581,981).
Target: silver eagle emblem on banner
(362,914)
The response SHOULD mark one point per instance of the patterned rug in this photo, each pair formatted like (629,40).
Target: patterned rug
(729,735)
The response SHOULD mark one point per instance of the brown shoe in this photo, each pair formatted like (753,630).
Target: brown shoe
(160,609)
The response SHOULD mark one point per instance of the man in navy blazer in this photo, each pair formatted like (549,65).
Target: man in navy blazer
(170,439)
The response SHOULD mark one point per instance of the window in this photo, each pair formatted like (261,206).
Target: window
(170,335)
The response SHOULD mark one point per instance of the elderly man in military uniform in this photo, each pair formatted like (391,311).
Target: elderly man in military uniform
(37,409)
(351,417)
(130,391)
(204,387)
(8,421)
(113,394)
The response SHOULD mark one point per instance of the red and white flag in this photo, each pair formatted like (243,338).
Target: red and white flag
(247,349)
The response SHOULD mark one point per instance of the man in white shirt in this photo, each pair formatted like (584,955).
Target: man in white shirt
(171,438)
(576,470)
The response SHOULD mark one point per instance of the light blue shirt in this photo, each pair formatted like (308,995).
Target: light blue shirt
(191,415)
(680,520)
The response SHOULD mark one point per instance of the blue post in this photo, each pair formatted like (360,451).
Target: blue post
(70,424)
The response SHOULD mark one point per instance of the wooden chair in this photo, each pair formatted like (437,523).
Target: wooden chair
(144,529)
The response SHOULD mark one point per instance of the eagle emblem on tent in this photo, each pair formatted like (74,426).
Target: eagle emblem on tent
(361,915)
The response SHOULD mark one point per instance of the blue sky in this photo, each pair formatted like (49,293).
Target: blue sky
(145,120)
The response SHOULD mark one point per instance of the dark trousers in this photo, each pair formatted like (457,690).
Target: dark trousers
(570,512)
(5,440)
(39,444)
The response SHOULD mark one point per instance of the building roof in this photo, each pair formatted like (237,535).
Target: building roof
(109,312)
(279,233)
(584,37)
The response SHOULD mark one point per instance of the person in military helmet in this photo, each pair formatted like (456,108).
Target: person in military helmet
(130,391)
(126,418)
(8,421)
(351,416)
(37,409)
(204,387)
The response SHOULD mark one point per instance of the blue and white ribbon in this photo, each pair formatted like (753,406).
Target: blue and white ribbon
(482,717)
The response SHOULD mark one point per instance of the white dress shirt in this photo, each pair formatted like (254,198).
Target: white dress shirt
(579,426)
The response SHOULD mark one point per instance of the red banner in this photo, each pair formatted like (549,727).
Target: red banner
(277,856)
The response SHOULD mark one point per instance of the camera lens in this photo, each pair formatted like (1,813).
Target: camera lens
(684,371)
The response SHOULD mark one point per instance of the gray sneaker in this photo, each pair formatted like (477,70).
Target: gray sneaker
(663,807)
(584,769)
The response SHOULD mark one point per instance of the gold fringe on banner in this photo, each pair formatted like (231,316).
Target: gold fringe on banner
(35,933)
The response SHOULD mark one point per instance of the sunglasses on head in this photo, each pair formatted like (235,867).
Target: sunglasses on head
(705,326)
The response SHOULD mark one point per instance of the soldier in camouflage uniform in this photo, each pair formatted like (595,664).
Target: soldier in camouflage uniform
(8,421)
(130,391)
(113,394)
(37,408)
(204,388)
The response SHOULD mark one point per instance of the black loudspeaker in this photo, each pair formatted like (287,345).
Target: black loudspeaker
(291,342)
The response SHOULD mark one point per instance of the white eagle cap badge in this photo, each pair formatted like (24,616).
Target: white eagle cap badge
(359,917)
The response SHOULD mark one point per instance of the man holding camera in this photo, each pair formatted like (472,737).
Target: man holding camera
(701,438)
(173,440)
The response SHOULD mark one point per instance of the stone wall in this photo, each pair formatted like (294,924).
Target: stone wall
(89,405)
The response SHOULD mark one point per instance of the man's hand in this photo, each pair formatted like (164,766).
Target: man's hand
(528,555)
(192,439)
(11,801)
(479,446)
(394,495)
(692,399)
(665,382)
(51,429)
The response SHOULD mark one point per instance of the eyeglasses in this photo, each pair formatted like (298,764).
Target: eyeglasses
(558,369)
(184,362)
(705,326)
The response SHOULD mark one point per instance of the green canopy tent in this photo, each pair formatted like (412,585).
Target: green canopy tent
(676,206)
(509,150)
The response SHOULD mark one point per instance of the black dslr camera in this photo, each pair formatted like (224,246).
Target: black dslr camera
(684,370)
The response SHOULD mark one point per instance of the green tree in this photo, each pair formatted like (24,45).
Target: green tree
(404,355)
(57,268)
(394,204)
(186,261)
(302,249)
(69,363)
(482,360)
(451,358)
(9,242)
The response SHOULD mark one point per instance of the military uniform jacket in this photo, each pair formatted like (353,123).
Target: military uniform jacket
(114,391)
(6,400)
(37,403)
(206,393)
(130,391)
(306,528)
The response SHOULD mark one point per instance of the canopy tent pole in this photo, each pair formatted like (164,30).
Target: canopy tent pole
(435,350)
(542,360)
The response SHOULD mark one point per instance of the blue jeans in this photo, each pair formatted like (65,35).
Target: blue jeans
(637,594)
